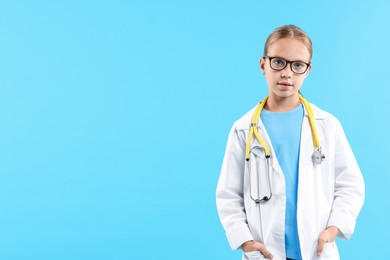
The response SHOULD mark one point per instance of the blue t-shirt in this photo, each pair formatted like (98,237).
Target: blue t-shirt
(284,130)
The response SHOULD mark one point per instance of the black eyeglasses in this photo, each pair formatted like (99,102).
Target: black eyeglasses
(298,67)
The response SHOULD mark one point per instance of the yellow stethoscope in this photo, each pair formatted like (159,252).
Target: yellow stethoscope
(317,156)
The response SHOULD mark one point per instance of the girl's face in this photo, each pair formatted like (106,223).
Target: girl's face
(285,83)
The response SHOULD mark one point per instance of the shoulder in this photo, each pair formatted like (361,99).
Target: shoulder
(327,118)
(322,114)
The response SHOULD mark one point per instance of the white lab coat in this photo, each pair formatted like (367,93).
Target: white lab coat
(330,194)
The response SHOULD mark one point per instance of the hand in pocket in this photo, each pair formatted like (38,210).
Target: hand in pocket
(253,246)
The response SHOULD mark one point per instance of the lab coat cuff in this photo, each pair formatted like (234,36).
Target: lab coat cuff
(344,222)
(238,234)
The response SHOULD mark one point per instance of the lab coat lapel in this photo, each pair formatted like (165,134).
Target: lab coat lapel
(307,147)
(263,133)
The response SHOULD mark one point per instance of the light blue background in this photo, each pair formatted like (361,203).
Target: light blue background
(114,117)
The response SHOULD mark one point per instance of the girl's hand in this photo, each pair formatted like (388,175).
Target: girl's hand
(249,246)
(326,236)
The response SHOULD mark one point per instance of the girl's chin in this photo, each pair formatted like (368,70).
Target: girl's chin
(285,93)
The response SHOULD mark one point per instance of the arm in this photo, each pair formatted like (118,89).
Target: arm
(230,199)
(349,186)
(348,192)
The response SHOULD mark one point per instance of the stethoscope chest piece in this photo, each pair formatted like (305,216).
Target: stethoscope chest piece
(317,156)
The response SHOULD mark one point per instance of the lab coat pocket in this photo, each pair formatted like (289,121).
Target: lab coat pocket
(253,255)
(330,251)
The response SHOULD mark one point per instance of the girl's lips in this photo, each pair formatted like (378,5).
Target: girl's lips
(284,84)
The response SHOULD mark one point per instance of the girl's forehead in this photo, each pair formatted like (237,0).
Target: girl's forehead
(290,49)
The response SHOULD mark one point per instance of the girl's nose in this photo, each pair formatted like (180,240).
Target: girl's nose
(286,72)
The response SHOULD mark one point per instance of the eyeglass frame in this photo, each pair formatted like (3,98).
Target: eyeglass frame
(287,62)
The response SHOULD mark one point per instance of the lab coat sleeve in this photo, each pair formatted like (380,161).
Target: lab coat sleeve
(230,200)
(349,186)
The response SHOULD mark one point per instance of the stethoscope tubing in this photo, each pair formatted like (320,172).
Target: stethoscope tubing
(317,156)
(265,198)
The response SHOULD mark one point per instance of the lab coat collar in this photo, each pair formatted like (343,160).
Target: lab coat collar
(245,121)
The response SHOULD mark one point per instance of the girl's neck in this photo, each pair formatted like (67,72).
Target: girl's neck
(282,104)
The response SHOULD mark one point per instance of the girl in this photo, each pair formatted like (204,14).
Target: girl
(289,182)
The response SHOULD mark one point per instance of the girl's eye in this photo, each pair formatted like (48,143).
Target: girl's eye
(298,65)
(279,62)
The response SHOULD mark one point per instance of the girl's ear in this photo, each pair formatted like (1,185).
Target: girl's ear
(262,64)
(309,68)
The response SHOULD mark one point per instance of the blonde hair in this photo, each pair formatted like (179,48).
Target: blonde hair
(289,31)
